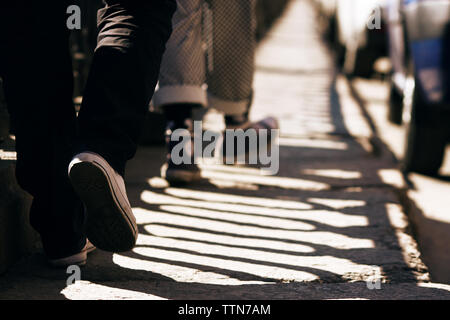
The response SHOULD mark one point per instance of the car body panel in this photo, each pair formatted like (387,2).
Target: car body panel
(426,19)
(419,26)
(428,68)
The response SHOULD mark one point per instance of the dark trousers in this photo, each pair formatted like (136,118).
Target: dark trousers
(35,65)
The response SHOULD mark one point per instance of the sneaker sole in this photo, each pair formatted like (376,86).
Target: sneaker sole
(60,265)
(109,223)
(78,260)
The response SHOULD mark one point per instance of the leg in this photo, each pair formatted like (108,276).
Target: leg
(181,82)
(183,66)
(122,79)
(230,80)
(37,72)
(123,76)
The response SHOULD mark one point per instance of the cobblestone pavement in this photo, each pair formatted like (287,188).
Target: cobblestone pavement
(329,225)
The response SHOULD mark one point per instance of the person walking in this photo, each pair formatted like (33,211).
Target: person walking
(209,62)
(74,167)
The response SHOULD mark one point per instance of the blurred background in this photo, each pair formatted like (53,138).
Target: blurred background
(395,54)
(404,44)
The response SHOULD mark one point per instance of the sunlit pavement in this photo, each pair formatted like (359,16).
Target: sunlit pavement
(329,225)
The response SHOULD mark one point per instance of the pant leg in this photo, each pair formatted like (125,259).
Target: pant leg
(231,79)
(35,65)
(183,66)
(123,76)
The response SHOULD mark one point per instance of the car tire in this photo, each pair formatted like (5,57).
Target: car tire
(395,114)
(426,137)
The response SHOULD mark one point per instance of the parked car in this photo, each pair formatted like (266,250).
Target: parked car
(419,46)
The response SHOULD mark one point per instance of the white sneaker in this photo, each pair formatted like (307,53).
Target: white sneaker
(111,225)
(78,259)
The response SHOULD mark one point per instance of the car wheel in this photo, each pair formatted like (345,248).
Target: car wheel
(395,113)
(426,137)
